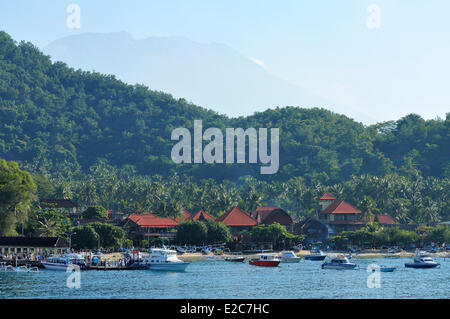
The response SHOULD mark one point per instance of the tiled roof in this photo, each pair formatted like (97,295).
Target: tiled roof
(202,215)
(347,222)
(153,221)
(340,207)
(236,217)
(326,196)
(33,242)
(270,214)
(135,217)
(384,219)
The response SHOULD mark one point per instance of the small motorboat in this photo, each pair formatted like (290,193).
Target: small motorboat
(289,257)
(387,269)
(422,260)
(266,260)
(316,254)
(65,262)
(339,263)
(235,259)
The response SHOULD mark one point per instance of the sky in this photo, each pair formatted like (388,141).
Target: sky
(327,47)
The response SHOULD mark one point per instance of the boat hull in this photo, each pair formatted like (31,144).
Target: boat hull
(315,258)
(265,263)
(424,265)
(387,269)
(236,260)
(58,267)
(181,266)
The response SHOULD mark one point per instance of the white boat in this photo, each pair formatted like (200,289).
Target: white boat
(339,263)
(63,263)
(422,260)
(289,257)
(164,259)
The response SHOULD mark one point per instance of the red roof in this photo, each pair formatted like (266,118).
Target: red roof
(346,222)
(236,217)
(326,196)
(186,216)
(270,214)
(135,217)
(157,222)
(340,207)
(202,215)
(265,208)
(384,219)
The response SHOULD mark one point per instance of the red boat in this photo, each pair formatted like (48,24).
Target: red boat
(266,260)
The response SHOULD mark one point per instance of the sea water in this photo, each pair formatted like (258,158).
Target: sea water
(221,279)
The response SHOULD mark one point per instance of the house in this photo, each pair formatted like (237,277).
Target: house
(32,245)
(185,216)
(267,215)
(64,205)
(148,226)
(237,220)
(334,216)
(115,217)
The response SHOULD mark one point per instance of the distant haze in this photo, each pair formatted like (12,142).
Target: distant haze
(211,75)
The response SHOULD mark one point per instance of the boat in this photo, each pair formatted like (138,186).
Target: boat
(164,259)
(266,260)
(339,263)
(63,263)
(316,254)
(387,269)
(289,257)
(235,259)
(26,268)
(422,260)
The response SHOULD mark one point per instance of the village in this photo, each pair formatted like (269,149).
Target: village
(334,217)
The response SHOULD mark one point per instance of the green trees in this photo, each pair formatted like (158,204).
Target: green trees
(217,233)
(16,195)
(110,236)
(192,233)
(49,223)
(95,212)
(274,233)
(85,237)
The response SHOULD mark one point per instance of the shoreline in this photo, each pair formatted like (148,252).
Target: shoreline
(192,257)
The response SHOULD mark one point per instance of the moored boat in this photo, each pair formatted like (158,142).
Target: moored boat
(316,254)
(164,259)
(339,263)
(422,260)
(289,257)
(235,259)
(266,260)
(387,269)
(62,263)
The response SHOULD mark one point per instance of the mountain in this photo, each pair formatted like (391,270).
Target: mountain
(212,75)
(59,120)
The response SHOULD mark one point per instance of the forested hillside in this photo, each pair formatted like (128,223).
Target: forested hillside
(58,120)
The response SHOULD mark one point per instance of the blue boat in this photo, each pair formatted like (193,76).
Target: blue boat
(316,254)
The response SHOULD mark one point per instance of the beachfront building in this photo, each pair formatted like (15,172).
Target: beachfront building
(267,215)
(20,246)
(202,216)
(335,216)
(149,226)
(237,220)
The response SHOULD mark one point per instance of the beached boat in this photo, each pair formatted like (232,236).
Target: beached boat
(164,259)
(235,259)
(266,260)
(422,260)
(339,263)
(289,257)
(316,254)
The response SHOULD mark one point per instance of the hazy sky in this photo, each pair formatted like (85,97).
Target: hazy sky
(325,46)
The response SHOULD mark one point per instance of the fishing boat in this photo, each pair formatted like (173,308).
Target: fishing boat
(289,257)
(339,263)
(235,259)
(422,260)
(25,268)
(164,259)
(266,260)
(316,254)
